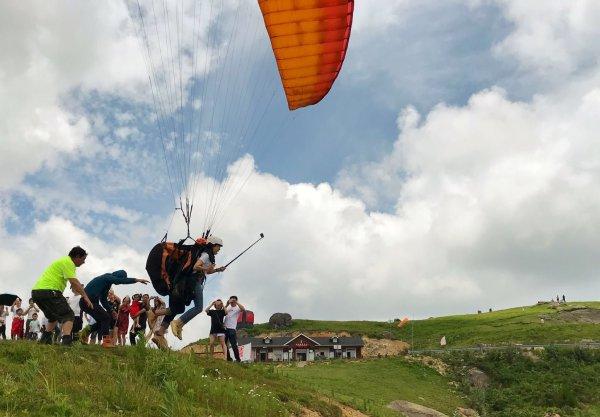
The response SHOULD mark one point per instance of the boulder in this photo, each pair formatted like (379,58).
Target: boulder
(278,320)
(478,378)
(414,410)
(466,412)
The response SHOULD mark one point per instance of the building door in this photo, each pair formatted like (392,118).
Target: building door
(263,356)
(301,355)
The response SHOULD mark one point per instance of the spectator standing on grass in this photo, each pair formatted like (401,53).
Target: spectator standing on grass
(564,300)
(134,313)
(123,320)
(139,328)
(3,315)
(47,293)
(17,329)
(30,311)
(217,328)
(34,327)
(154,320)
(232,312)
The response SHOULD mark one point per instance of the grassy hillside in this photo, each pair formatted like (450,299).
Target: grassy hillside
(562,381)
(88,381)
(516,325)
(370,385)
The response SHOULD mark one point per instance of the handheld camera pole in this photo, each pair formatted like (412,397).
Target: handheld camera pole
(246,250)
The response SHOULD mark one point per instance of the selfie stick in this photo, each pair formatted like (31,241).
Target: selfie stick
(246,250)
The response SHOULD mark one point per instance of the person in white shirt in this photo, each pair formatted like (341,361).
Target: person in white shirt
(205,265)
(34,327)
(30,311)
(232,309)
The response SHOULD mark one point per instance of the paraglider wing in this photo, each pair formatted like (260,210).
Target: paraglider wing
(7,299)
(309,40)
(403,322)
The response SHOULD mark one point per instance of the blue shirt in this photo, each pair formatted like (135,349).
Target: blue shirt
(97,289)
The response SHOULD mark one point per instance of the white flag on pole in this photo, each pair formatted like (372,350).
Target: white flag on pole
(245,352)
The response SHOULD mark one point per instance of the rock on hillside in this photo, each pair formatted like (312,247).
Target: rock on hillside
(279,320)
(383,347)
(478,378)
(583,315)
(414,410)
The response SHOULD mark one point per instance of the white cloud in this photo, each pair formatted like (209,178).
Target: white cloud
(552,37)
(62,46)
(378,16)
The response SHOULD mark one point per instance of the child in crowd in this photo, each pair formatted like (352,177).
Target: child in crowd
(34,327)
(154,321)
(136,306)
(17,329)
(30,311)
(115,302)
(123,320)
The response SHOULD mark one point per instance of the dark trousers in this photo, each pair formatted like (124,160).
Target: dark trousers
(3,331)
(138,334)
(102,317)
(231,338)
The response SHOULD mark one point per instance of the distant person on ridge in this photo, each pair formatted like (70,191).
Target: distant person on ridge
(232,310)
(102,309)
(47,293)
(205,265)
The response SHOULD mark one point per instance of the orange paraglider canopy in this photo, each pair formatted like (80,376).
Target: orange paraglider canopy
(309,39)
(403,322)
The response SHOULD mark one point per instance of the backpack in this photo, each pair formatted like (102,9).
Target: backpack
(169,261)
(245,319)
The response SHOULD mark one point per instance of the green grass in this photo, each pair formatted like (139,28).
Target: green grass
(87,381)
(515,325)
(369,385)
(563,381)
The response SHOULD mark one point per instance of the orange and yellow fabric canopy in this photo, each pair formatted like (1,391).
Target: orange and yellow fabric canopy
(309,40)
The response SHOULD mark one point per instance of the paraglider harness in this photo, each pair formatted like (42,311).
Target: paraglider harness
(170,267)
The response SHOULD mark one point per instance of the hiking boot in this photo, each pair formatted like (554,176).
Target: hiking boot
(67,340)
(177,327)
(107,342)
(161,342)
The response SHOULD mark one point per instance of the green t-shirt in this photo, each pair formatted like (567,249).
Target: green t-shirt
(55,277)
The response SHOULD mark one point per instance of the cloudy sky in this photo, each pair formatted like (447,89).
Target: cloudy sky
(454,166)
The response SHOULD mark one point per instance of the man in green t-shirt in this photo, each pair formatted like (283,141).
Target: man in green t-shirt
(47,293)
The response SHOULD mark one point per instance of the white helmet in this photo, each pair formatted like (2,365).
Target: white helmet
(215,240)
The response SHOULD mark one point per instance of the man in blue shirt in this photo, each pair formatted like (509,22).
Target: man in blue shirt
(97,291)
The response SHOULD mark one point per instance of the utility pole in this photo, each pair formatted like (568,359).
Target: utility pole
(412,334)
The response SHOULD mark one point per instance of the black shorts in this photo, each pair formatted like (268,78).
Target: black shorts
(53,304)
